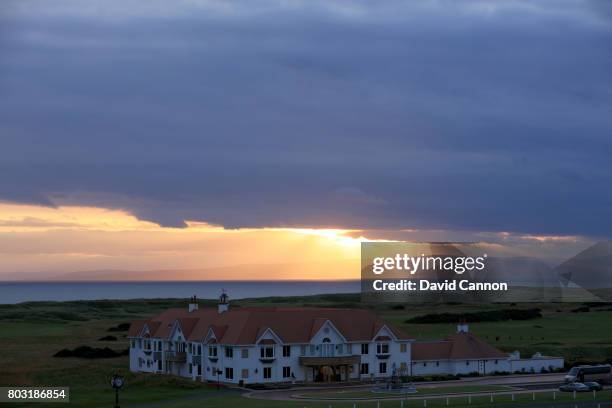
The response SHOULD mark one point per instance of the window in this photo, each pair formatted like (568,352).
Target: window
(133,343)
(403,367)
(229,352)
(267,372)
(286,372)
(159,365)
(245,373)
(190,368)
(424,364)
(403,348)
(365,349)
(437,363)
(212,351)
(340,348)
(245,353)
(467,363)
(267,352)
(286,351)
(190,348)
(382,348)
(365,368)
(382,368)
(495,361)
(199,349)
(229,373)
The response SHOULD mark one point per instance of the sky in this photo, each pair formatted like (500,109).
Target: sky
(201,134)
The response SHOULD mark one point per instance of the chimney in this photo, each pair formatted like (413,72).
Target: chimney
(193,304)
(223,305)
(463,327)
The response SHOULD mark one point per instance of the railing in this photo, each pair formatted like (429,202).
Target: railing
(329,352)
(176,356)
(327,360)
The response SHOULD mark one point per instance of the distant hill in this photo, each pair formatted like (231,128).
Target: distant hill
(310,270)
(523,271)
(591,268)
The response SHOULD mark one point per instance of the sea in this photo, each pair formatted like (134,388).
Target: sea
(18,292)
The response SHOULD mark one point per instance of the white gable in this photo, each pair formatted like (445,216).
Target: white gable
(385,332)
(329,331)
(176,334)
(269,335)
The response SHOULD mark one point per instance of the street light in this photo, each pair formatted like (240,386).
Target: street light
(117,382)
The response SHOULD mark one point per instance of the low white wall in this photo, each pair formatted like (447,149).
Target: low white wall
(536,364)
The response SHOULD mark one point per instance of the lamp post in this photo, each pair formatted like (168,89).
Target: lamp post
(117,382)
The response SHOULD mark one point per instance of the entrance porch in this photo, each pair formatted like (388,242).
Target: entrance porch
(330,369)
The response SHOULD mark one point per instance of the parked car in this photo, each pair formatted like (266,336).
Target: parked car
(593,386)
(575,386)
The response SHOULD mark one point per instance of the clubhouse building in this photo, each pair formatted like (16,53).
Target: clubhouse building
(275,345)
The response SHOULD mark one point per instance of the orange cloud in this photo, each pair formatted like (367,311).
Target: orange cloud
(68,239)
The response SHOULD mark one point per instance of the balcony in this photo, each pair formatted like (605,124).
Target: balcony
(196,360)
(267,360)
(383,356)
(335,360)
(176,356)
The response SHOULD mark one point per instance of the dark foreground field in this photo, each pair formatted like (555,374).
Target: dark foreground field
(31,333)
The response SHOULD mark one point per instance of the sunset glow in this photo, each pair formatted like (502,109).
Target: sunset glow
(70,239)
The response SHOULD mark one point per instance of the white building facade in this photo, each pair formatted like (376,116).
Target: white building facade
(284,345)
(246,346)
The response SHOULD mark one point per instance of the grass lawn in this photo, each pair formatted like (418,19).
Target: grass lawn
(30,333)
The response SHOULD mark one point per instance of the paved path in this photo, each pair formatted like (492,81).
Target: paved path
(541,382)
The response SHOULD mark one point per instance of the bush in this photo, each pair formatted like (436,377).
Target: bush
(484,316)
(435,377)
(120,327)
(108,338)
(91,352)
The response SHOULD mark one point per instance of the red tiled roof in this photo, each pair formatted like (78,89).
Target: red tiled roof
(460,346)
(466,346)
(245,325)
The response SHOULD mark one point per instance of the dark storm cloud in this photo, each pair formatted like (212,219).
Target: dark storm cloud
(456,115)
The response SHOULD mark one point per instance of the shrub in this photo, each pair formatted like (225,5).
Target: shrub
(120,327)
(108,338)
(91,352)
(484,316)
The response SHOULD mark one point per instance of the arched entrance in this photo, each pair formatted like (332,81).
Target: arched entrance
(326,374)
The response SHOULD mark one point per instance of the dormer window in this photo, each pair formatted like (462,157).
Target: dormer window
(382,348)
(266,352)
(212,351)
